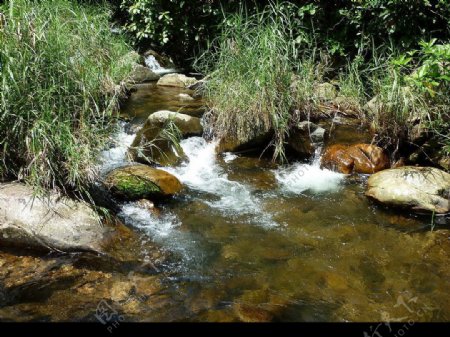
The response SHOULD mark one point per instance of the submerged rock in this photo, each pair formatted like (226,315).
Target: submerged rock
(53,222)
(416,188)
(305,136)
(141,182)
(358,158)
(185,97)
(152,142)
(141,74)
(176,80)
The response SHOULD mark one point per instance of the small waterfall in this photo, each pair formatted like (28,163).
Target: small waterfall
(302,177)
(202,173)
(152,63)
(116,155)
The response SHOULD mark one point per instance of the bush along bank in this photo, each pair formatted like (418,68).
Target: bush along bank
(265,79)
(61,77)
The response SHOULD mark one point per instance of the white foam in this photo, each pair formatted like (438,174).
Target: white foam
(202,173)
(300,177)
(153,64)
(162,229)
(228,157)
(117,154)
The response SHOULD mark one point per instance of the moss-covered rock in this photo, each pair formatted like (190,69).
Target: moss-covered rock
(140,182)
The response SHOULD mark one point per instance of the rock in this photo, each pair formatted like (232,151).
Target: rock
(416,188)
(325,92)
(198,86)
(133,57)
(347,106)
(141,74)
(305,136)
(228,144)
(149,206)
(444,162)
(142,182)
(373,106)
(185,97)
(358,158)
(53,222)
(188,125)
(176,80)
(252,313)
(152,145)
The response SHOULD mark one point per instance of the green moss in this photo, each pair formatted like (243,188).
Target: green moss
(134,187)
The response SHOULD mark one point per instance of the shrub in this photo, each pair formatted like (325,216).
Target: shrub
(59,66)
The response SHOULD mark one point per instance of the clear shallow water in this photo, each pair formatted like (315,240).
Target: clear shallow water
(248,241)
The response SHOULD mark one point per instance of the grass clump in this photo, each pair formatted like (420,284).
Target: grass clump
(249,88)
(59,66)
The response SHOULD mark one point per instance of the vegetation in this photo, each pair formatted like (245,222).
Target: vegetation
(249,91)
(59,66)
(253,59)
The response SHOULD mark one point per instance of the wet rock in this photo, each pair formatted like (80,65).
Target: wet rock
(228,144)
(358,158)
(141,74)
(141,182)
(149,206)
(185,97)
(152,143)
(325,92)
(305,136)
(252,313)
(416,188)
(121,291)
(176,80)
(53,222)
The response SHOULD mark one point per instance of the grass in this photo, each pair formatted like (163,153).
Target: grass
(263,79)
(248,92)
(60,66)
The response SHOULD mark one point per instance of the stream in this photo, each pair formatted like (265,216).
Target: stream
(247,240)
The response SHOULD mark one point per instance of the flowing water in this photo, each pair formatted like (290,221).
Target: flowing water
(249,240)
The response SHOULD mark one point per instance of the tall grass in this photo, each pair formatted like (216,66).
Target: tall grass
(59,66)
(248,92)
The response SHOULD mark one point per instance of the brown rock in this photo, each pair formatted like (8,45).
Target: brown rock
(358,158)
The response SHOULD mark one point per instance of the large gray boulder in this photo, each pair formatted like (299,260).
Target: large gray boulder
(416,188)
(53,222)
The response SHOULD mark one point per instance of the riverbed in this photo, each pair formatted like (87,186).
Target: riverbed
(247,240)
